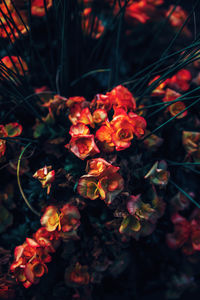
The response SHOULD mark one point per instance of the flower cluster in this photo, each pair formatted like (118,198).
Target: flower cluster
(32,256)
(169,90)
(66,220)
(102,181)
(110,135)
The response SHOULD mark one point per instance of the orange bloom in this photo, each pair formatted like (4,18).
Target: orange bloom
(75,105)
(83,146)
(99,116)
(46,176)
(121,130)
(102,181)
(104,135)
(121,97)
(102,102)
(29,264)
(66,220)
(139,123)
(51,219)
(99,166)
(86,117)
(38,8)
(47,239)
(14,64)
(79,129)
(176,107)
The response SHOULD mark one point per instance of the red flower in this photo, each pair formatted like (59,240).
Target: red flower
(180,80)
(46,176)
(83,146)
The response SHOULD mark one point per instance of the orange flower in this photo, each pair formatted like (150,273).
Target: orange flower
(176,107)
(29,264)
(99,116)
(75,105)
(88,187)
(86,117)
(38,7)
(99,166)
(46,176)
(139,124)
(102,102)
(51,219)
(14,64)
(102,181)
(121,97)
(83,146)
(121,130)
(47,239)
(66,220)
(104,135)
(79,129)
